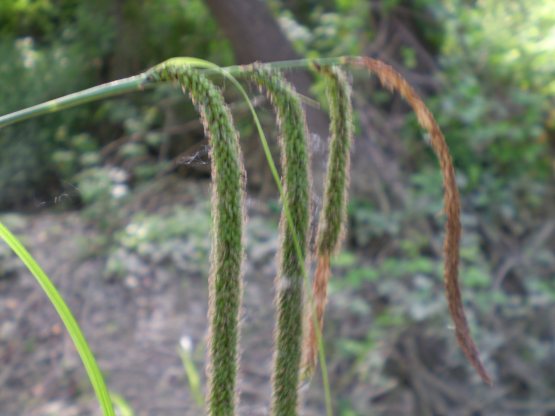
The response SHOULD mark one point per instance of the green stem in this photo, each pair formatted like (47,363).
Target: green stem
(122,86)
(135,83)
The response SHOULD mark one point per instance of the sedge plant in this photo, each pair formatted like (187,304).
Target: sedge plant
(196,77)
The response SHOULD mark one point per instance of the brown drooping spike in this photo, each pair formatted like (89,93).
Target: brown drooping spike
(392,80)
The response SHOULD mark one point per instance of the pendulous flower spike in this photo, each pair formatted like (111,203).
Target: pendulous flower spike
(334,210)
(290,278)
(225,282)
(392,80)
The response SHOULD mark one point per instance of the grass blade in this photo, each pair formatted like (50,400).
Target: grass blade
(191,372)
(122,407)
(95,376)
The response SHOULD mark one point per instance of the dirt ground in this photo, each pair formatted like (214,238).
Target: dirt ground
(134,324)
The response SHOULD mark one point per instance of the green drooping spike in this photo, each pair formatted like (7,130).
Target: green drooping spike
(334,210)
(225,287)
(290,278)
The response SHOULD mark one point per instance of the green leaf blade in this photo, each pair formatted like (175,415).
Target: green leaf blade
(83,349)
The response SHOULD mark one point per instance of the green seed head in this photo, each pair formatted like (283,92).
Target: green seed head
(334,209)
(227,247)
(289,282)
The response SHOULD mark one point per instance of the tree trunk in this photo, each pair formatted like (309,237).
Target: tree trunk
(255,35)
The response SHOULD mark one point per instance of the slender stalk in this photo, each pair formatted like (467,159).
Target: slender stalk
(122,86)
(134,83)
(291,64)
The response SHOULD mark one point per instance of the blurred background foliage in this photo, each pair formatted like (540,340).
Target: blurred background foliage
(487,71)
(52,48)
